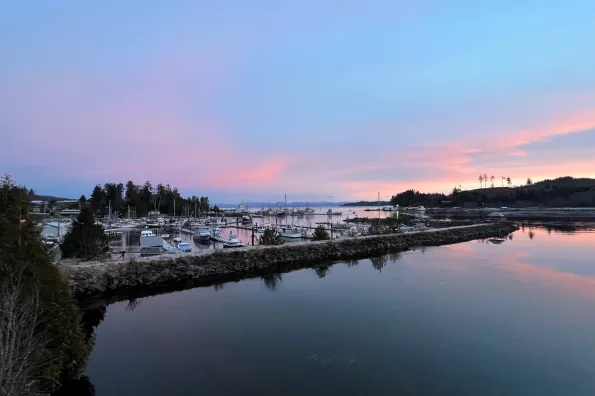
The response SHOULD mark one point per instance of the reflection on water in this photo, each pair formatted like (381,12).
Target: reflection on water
(272,281)
(322,271)
(513,318)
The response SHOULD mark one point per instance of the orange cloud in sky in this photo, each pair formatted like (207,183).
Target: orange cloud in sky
(458,161)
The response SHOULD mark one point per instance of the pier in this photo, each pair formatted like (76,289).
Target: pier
(96,278)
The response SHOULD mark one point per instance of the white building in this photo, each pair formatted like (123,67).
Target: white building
(55,230)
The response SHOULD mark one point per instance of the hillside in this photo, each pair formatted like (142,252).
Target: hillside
(560,192)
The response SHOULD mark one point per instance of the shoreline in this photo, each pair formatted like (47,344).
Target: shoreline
(97,279)
(517,214)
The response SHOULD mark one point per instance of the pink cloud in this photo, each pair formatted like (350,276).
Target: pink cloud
(149,126)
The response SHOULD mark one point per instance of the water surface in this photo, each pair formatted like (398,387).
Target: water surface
(476,318)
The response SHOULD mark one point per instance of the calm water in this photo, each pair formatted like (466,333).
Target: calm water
(469,319)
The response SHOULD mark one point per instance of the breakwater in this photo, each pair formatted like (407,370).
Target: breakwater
(100,278)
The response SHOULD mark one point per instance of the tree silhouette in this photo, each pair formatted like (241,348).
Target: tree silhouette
(492,179)
(320,234)
(509,181)
(351,263)
(272,281)
(85,239)
(480,181)
(322,271)
(270,237)
(485,180)
(394,257)
(529,181)
(379,262)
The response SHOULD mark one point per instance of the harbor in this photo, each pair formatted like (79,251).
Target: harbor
(129,237)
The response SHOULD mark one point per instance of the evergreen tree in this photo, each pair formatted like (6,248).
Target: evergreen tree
(41,339)
(320,234)
(270,237)
(98,198)
(85,240)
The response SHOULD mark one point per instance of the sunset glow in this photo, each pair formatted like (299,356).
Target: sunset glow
(311,99)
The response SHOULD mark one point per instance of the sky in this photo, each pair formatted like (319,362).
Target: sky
(316,99)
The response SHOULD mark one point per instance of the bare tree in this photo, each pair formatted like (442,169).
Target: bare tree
(492,180)
(22,344)
(480,181)
(485,180)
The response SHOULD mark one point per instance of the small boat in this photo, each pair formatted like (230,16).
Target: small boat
(146,233)
(246,219)
(331,213)
(233,242)
(497,240)
(177,240)
(215,231)
(202,233)
(298,212)
(185,247)
(259,230)
(290,232)
(387,208)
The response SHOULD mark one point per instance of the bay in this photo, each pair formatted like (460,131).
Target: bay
(516,318)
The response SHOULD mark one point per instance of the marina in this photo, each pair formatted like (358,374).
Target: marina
(141,237)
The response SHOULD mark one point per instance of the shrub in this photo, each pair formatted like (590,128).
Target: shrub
(320,234)
(270,237)
(85,240)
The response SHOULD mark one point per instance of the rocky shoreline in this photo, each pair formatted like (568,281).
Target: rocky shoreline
(89,279)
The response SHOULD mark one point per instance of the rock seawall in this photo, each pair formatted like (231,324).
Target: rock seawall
(96,278)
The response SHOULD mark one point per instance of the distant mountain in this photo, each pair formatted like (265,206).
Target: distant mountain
(366,203)
(257,204)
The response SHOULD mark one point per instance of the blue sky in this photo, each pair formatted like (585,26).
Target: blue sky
(251,100)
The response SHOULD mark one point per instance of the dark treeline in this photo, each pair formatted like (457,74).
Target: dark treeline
(415,198)
(560,192)
(42,342)
(142,199)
